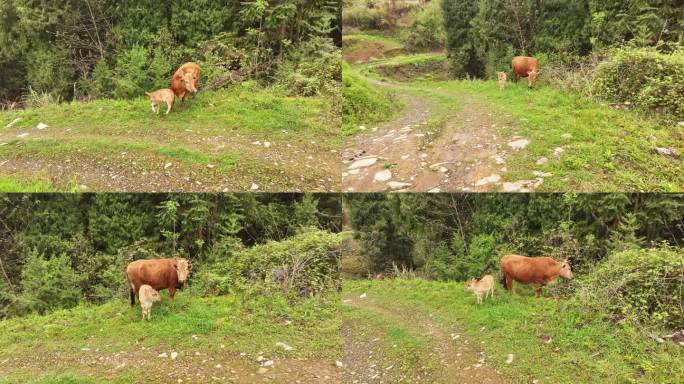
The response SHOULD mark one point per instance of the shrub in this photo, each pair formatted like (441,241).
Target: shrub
(427,31)
(361,102)
(50,283)
(644,77)
(309,260)
(312,77)
(642,286)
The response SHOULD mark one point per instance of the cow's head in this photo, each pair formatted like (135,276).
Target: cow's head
(532,77)
(183,270)
(189,80)
(565,270)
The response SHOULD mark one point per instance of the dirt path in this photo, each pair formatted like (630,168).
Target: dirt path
(189,366)
(452,358)
(405,154)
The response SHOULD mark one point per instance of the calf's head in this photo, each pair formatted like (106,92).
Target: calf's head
(565,270)
(532,78)
(470,283)
(189,80)
(154,296)
(183,270)
(501,76)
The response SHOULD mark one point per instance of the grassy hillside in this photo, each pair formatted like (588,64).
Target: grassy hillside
(224,140)
(549,340)
(219,338)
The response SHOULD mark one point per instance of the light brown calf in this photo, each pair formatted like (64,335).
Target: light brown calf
(147,297)
(502,80)
(484,286)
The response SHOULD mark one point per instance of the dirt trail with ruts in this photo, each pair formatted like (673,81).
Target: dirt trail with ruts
(432,148)
(451,357)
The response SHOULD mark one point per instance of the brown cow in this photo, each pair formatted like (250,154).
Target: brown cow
(168,274)
(539,271)
(524,66)
(185,81)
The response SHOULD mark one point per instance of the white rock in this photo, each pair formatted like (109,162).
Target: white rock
(85,349)
(443,169)
(168,165)
(383,176)
(283,346)
(163,355)
(499,160)
(362,296)
(339,364)
(519,144)
(256,142)
(22,135)
(667,152)
(218,366)
(488,180)
(268,363)
(511,187)
(11,124)
(42,126)
(542,174)
(434,190)
(254,187)
(362,128)
(542,160)
(174,354)
(557,152)
(363,163)
(509,358)
(394,185)
(267,144)
(681,123)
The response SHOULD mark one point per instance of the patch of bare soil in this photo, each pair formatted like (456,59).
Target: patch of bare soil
(365,53)
(467,154)
(157,365)
(457,360)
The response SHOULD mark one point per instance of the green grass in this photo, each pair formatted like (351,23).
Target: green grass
(363,104)
(212,128)
(189,323)
(11,184)
(583,349)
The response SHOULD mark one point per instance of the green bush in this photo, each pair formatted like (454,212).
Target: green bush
(363,17)
(644,77)
(307,260)
(312,77)
(641,286)
(427,30)
(50,283)
(362,103)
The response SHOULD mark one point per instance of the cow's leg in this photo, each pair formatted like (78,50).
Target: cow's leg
(537,289)
(168,107)
(172,292)
(132,297)
(509,284)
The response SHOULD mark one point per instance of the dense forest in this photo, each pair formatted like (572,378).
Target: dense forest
(83,49)
(58,250)
(459,235)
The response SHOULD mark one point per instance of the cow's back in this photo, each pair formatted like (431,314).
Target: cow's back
(526,269)
(157,273)
(523,64)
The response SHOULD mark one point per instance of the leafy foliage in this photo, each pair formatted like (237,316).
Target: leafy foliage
(645,78)
(106,48)
(307,262)
(58,250)
(456,236)
(642,286)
